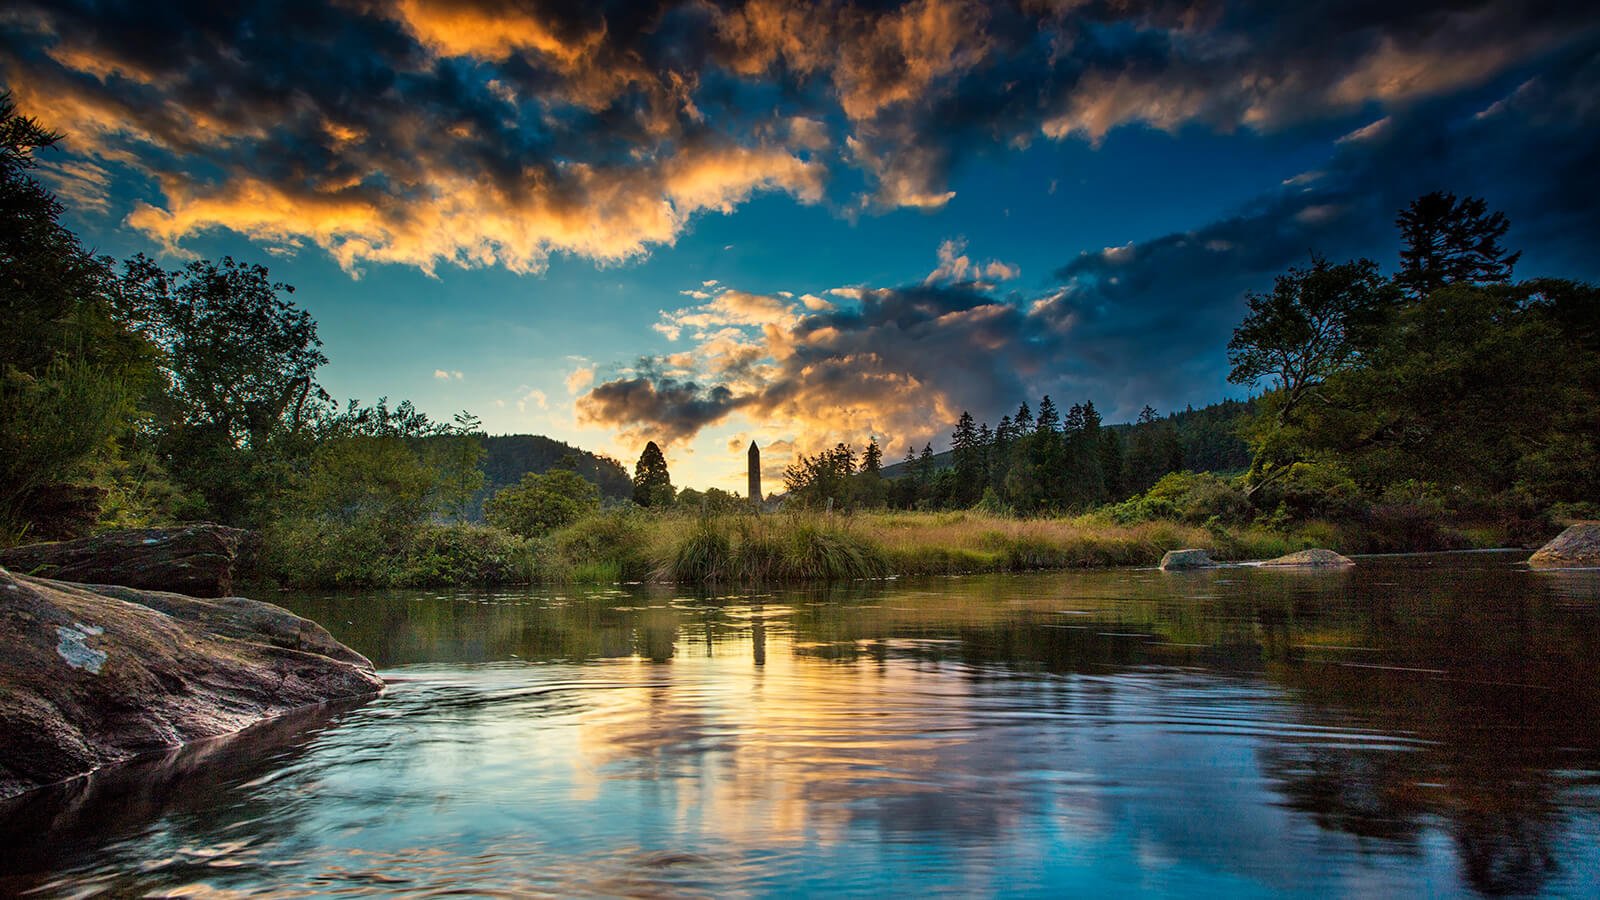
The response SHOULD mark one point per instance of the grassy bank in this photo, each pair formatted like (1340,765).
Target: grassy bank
(634,545)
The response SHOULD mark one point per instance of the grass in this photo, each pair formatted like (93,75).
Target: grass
(807,546)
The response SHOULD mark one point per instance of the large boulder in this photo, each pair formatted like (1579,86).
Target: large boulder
(197,560)
(1186,559)
(1310,559)
(92,675)
(1577,547)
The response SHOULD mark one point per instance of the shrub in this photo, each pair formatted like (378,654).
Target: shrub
(466,554)
(615,543)
(1196,498)
(539,504)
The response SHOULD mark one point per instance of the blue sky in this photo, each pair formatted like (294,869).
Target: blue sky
(800,223)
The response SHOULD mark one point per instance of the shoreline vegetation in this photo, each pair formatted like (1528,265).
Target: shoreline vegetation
(1440,407)
(623,545)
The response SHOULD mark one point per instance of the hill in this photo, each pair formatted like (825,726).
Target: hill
(508,457)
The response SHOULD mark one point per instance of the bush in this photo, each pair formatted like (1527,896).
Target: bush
(614,545)
(1308,491)
(319,553)
(1195,498)
(466,554)
(540,504)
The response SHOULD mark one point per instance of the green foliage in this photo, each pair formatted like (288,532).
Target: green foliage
(712,501)
(1312,325)
(325,553)
(1195,498)
(70,372)
(540,504)
(614,542)
(508,457)
(749,549)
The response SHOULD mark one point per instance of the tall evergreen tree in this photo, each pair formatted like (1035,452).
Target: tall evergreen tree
(1022,422)
(652,486)
(1048,419)
(1446,241)
(872,458)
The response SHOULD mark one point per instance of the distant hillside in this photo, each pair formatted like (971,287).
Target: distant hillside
(1209,436)
(509,457)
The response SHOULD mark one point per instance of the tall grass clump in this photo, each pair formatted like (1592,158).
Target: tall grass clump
(793,547)
(608,546)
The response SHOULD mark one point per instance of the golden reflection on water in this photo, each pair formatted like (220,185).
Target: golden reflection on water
(1409,727)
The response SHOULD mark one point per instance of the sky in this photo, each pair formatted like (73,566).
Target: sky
(706,223)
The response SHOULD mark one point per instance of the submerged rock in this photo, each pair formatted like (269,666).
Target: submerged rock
(1577,547)
(1186,559)
(92,675)
(197,560)
(1315,558)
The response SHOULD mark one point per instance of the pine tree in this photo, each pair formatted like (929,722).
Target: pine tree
(1022,423)
(1048,419)
(1111,465)
(1446,241)
(964,447)
(652,486)
(872,458)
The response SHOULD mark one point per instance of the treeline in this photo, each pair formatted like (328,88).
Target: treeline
(1031,463)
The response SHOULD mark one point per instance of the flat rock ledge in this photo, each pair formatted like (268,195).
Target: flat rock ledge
(1186,559)
(92,675)
(1578,547)
(1309,559)
(197,560)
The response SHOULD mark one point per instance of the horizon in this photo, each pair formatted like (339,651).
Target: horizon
(682,224)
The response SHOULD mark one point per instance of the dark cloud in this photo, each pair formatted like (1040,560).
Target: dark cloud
(477,132)
(1146,322)
(667,407)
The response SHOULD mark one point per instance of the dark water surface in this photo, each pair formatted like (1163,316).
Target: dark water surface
(1419,726)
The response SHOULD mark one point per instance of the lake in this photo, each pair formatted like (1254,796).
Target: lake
(1418,725)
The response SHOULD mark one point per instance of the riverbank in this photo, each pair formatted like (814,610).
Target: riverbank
(632,545)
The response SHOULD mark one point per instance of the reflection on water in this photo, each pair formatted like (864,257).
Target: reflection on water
(1418,725)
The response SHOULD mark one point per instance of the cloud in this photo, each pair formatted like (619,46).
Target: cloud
(579,379)
(447,375)
(535,397)
(476,133)
(956,266)
(1142,322)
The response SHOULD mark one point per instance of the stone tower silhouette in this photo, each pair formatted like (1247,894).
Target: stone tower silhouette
(755,477)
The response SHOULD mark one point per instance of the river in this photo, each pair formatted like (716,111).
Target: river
(1420,725)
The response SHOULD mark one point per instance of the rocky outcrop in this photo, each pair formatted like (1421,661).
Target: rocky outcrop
(92,675)
(1309,559)
(1186,559)
(1577,547)
(196,560)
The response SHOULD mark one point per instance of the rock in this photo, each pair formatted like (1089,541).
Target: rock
(1577,547)
(197,560)
(95,675)
(1316,558)
(1186,559)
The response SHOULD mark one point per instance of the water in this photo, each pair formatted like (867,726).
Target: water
(1421,725)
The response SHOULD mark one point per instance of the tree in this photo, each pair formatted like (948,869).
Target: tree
(872,458)
(240,359)
(1446,241)
(540,504)
(1312,324)
(1048,419)
(652,486)
(70,371)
